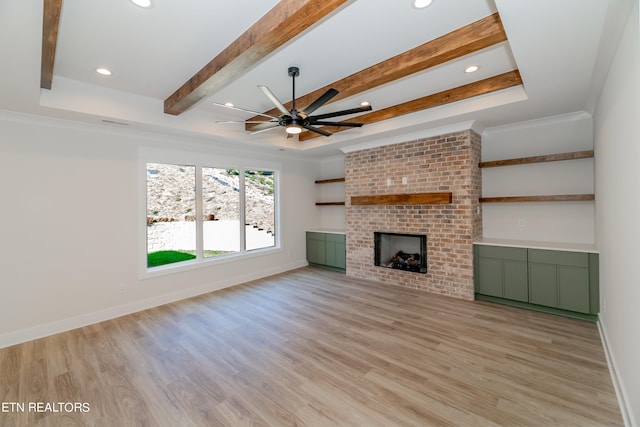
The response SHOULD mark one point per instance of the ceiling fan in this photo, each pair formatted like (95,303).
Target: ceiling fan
(294,120)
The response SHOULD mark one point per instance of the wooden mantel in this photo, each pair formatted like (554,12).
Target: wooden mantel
(403,199)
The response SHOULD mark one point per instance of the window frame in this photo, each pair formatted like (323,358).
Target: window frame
(204,160)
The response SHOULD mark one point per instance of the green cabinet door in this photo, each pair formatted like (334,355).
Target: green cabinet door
(502,272)
(490,277)
(543,288)
(516,286)
(316,248)
(573,289)
(560,279)
(335,250)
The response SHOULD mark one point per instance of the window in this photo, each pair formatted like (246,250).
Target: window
(259,204)
(171,208)
(221,207)
(197,212)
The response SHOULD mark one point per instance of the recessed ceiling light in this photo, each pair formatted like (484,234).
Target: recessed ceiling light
(364,103)
(103,71)
(228,104)
(421,4)
(471,69)
(142,3)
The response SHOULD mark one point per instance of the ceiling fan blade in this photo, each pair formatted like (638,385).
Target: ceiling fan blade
(322,99)
(320,122)
(265,129)
(265,125)
(243,121)
(247,111)
(316,130)
(340,113)
(273,99)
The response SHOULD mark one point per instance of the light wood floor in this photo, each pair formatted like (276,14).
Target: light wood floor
(317,348)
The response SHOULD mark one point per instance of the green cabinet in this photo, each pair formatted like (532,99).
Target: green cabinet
(561,282)
(336,251)
(502,272)
(316,248)
(327,250)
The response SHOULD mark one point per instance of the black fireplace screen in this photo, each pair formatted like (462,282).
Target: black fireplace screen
(401,251)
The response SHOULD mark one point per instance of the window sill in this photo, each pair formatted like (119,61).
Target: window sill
(165,270)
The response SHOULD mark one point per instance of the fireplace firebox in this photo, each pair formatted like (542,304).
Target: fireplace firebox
(401,251)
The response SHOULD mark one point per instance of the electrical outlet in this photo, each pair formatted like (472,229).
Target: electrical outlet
(521,222)
(604,306)
(404,180)
(389,182)
(123,288)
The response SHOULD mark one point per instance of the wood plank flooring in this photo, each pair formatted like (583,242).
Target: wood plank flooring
(315,348)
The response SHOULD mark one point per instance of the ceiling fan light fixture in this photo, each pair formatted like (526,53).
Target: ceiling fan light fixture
(293,129)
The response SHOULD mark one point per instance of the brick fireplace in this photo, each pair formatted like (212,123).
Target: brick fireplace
(445,163)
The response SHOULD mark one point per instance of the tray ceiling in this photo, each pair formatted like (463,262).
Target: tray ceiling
(172,61)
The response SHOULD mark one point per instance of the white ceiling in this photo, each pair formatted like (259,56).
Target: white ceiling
(561,48)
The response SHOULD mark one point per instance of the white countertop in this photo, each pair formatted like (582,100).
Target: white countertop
(326,230)
(553,246)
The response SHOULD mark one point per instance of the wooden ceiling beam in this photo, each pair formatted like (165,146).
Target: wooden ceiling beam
(50,23)
(478,35)
(492,84)
(283,22)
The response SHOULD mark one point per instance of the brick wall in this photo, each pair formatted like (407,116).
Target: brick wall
(443,163)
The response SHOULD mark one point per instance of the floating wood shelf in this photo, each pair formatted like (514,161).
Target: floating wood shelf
(329,203)
(538,159)
(558,198)
(403,199)
(329,181)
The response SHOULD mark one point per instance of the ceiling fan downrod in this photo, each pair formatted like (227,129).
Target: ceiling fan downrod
(293,73)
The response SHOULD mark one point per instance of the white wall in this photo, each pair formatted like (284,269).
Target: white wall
(571,222)
(331,217)
(70,226)
(617,145)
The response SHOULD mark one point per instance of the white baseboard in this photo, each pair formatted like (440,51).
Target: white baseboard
(623,399)
(47,329)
